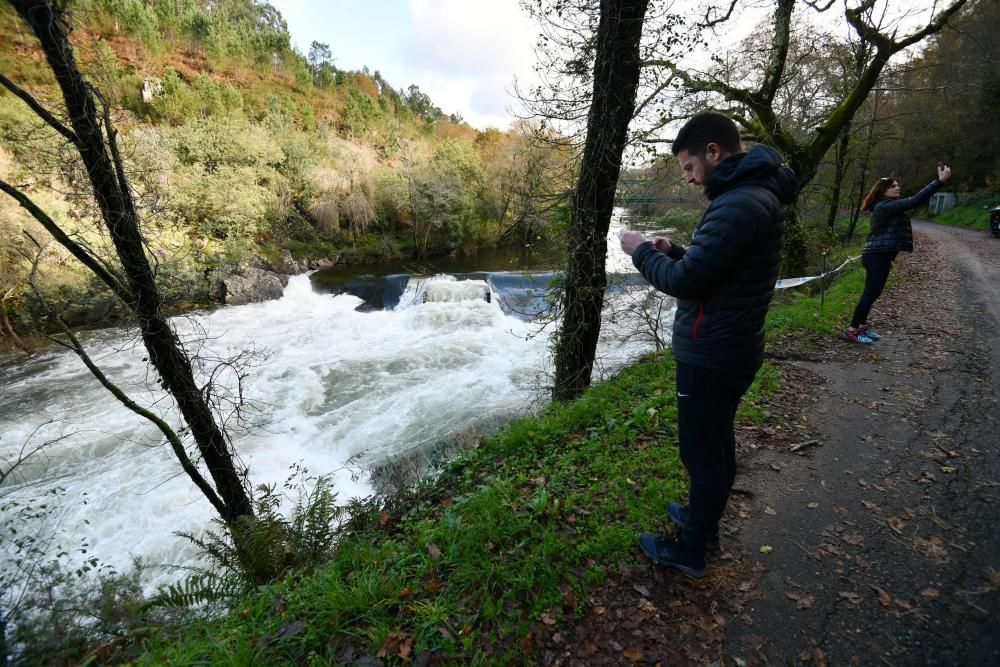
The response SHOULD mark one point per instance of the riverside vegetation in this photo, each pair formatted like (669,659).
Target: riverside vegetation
(244,152)
(243,148)
(459,568)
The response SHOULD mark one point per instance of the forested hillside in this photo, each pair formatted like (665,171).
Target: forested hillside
(245,152)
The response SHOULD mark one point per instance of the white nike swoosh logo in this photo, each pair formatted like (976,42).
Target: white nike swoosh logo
(680,395)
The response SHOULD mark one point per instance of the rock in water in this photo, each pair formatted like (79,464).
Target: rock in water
(253,286)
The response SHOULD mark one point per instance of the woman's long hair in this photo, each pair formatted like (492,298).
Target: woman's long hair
(876,193)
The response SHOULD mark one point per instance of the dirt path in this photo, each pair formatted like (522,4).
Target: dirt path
(881,541)
(878,544)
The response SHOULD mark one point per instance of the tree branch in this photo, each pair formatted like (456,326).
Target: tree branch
(100,270)
(41,111)
(175,442)
(932,27)
(779,50)
(711,23)
(815,5)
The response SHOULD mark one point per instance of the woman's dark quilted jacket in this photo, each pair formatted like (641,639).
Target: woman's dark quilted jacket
(891,230)
(724,280)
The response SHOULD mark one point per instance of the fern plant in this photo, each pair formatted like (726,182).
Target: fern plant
(262,548)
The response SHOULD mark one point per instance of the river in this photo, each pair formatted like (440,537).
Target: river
(340,382)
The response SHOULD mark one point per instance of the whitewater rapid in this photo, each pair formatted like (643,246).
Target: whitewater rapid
(331,389)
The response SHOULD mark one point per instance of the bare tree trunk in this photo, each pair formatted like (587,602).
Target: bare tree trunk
(96,143)
(866,159)
(9,330)
(616,78)
(840,168)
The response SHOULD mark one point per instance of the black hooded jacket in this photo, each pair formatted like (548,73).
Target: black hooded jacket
(724,280)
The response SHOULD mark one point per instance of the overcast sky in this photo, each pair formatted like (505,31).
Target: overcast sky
(463,53)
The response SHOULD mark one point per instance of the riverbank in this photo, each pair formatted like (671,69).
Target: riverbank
(260,278)
(500,559)
(523,549)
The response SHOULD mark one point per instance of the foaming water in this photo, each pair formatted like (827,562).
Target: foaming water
(331,385)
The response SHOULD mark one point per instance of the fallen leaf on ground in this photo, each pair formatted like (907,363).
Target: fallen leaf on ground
(802,600)
(641,590)
(766,548)
(634,654)
(853,598)
(434,552)
(930,592)
(406,648)
(933,547)
(884,598)
(812,506)
(769,510)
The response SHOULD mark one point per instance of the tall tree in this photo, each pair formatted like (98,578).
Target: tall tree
(944,106)
(92,135)
(616,79)
(753,104)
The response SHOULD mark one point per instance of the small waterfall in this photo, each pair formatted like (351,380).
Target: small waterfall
(443,288)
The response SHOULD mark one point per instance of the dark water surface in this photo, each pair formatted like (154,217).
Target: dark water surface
(549,257)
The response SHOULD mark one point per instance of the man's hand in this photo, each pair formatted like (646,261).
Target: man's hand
(630,240)
(944,172)
(662,245)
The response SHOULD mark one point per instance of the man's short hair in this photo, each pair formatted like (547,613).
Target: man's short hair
(708,127)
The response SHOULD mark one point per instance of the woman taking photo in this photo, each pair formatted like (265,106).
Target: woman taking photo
(890,234)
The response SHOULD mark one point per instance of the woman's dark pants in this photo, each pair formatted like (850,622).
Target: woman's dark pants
(706,407)
(877,266)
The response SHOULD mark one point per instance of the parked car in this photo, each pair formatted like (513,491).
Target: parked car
(995,222)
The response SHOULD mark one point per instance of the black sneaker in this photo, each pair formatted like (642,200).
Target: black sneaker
(670,552)
(678,514)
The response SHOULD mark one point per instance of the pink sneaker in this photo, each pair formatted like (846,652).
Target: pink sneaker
(868,332)
(857,336)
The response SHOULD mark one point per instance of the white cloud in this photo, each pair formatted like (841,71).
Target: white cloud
(469,54)
(465,54)
(472,38)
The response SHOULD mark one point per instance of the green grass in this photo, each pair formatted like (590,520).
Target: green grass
(813,314)
(517,527)
(972,217)
(514,530)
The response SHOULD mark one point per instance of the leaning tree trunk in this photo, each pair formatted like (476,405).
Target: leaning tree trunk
(8,329)
(616,78)
(840,169)
(794,251)
(113,195)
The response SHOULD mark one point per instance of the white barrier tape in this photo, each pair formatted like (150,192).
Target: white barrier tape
(785,283)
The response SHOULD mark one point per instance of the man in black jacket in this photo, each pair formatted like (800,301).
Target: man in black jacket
(723,284)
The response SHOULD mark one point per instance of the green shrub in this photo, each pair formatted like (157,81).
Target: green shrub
(973,217)
(360,114)
(226,202)
(133,17)
(232,142)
